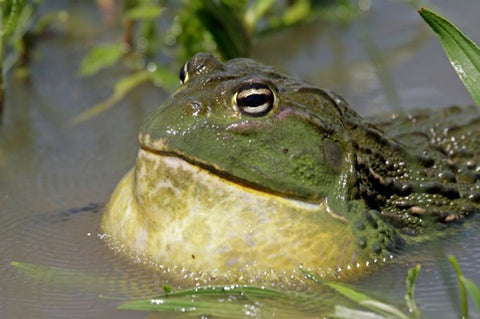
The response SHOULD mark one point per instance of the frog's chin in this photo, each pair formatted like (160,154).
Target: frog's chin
(180,216)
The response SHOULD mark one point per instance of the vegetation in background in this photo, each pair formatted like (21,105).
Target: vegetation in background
(463,53)
(155,52)
(19,27)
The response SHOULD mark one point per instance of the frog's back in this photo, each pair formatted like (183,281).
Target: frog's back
(447,182)
(453,131)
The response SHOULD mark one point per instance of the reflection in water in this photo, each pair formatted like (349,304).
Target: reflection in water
(48,167)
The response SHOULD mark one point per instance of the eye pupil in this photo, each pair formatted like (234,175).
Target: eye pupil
(254,99)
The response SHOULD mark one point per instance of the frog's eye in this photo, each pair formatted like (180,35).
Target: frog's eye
(254,99)
(183,75)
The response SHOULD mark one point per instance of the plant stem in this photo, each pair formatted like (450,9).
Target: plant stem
(2,57)
(461,286)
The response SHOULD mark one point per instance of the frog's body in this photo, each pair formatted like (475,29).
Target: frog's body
(245,175)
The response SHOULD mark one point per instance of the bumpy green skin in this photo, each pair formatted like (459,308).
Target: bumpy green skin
(390,179)
(312,145)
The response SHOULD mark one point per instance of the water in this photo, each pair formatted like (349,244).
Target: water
(48,167)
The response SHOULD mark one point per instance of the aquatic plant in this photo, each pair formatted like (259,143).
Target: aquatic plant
(237,301)
(463,53)
(19,28)
(199,300)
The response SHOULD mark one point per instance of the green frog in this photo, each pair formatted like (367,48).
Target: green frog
(247,175)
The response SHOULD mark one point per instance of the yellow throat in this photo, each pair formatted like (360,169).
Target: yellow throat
(184,217)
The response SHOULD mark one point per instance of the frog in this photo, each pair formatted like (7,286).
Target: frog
(251,176)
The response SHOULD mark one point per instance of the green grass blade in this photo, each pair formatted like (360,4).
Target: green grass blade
(472,289)
(144,11)
(348,313)
(224,310)
(359,297)
(461,286)
(410,281)
(224,21)
(464,55)
(382,307)
(235,301)
(344,290)
(122,88)
(101,57)
(256,11)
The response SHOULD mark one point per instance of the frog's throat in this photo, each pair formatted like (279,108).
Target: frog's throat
(181,216)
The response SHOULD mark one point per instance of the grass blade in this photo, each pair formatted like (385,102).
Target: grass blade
(464,55)
(101,57)
(410,291)
(472,289)
(122,88)
(347,313)
(461,286)
(382,307)
(226,310)
(359,297)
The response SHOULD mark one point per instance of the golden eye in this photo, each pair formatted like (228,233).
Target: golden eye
(254,99)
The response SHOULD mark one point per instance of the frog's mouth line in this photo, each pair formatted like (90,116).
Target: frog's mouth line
(228,177)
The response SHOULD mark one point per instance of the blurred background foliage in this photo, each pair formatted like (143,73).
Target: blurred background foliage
(20,27)
(159,36)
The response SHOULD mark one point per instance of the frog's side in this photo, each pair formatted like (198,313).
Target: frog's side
(246,174)
(439,175)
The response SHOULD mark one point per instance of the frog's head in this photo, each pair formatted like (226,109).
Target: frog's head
(247,123)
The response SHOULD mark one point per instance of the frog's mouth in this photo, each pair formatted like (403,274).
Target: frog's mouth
(159,150)
(161,147)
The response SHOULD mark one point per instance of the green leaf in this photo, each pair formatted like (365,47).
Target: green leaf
(297,12)
(347,313)
(144,12)
(461,286)
(382,307)
(464,55)
(343,289)
(225,310)
(122,87)
(101,57)
(224,21)
(358,297)
(256,11)
(16,7)
(472,289)
(410,281)
(234,301)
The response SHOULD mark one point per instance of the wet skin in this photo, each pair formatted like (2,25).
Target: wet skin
(246,174)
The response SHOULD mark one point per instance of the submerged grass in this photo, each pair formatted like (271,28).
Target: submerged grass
(192,300)
(238,301)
